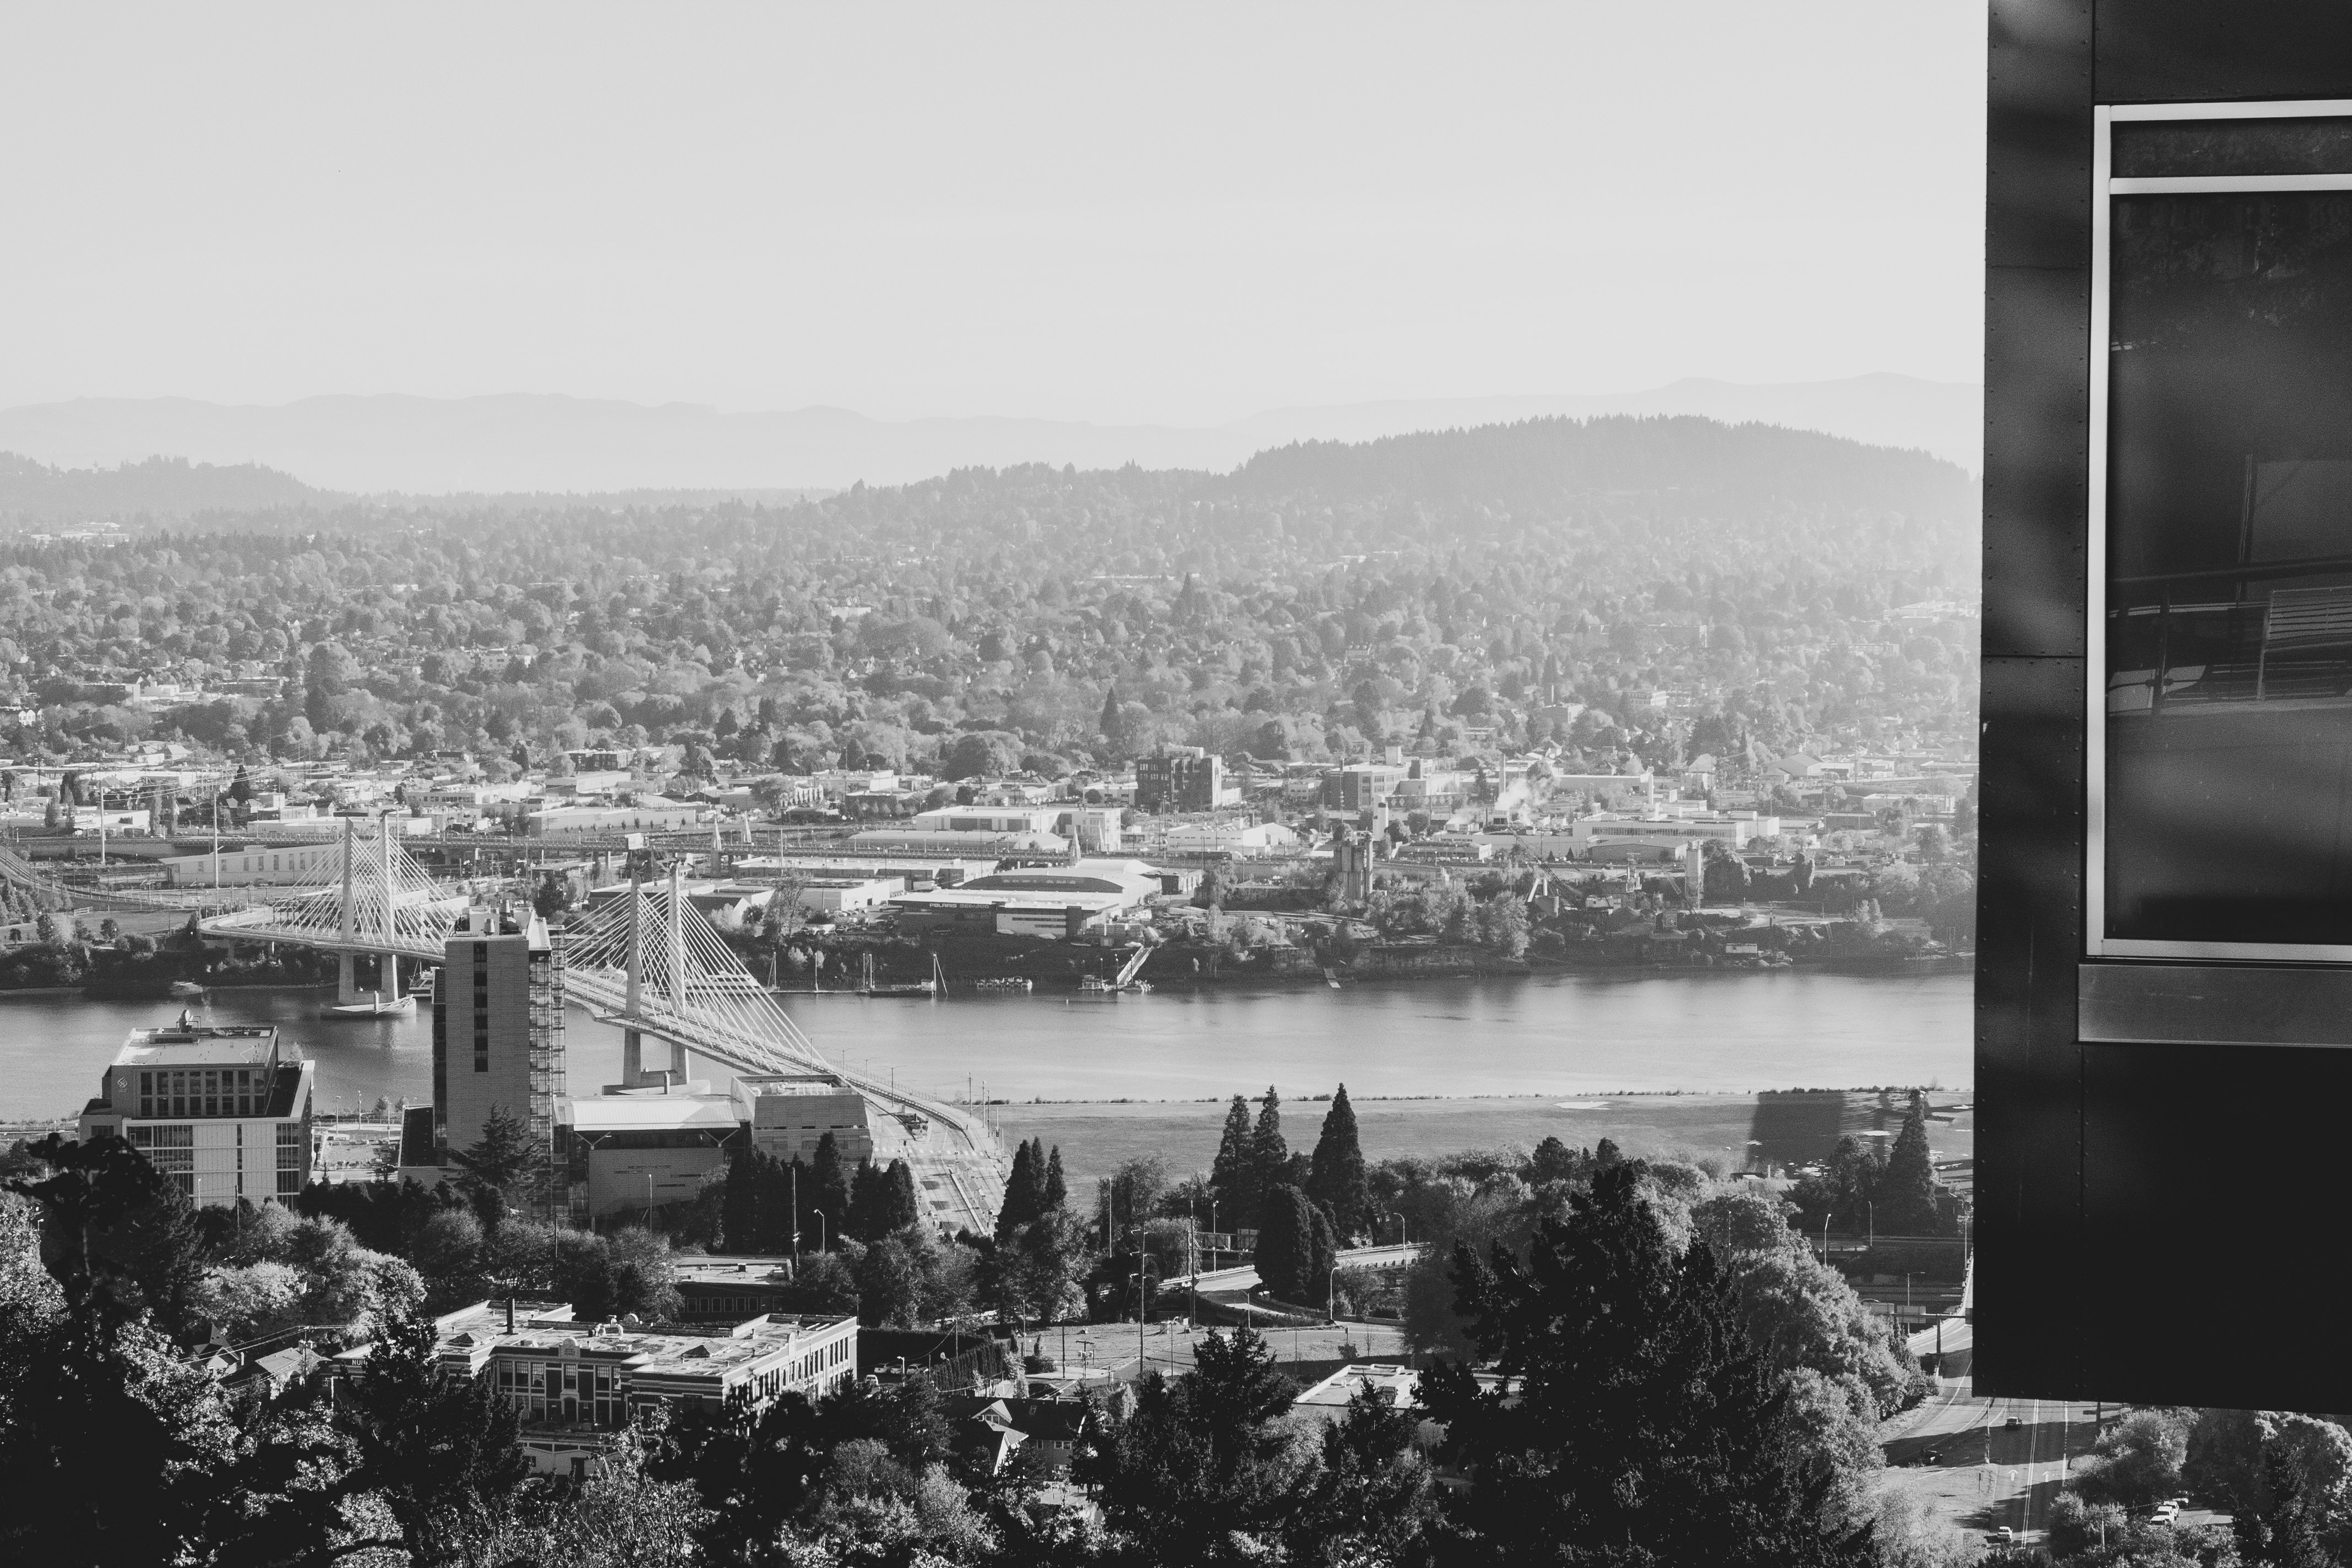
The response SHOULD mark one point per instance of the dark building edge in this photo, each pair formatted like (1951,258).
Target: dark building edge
(2150,1217)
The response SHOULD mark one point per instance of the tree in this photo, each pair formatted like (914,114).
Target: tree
(2138,1459)
(742,1220)
(1269,1156)
(1907,1188)
(1373,1494)
(584,1276)
(2283,1476)
(1057,1190)
(1338,1183)
(498,1160)
(1645,1426)
(1233,1179)
(117,1237)
(1295,1248)
(442,1452)
(827,1191)
(1018,1207)
(900,1206)
(1205,1470)
(867,1221)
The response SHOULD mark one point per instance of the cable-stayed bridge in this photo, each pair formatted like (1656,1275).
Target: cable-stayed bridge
(648,963)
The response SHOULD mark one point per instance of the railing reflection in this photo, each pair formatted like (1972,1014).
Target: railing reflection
(2274,631)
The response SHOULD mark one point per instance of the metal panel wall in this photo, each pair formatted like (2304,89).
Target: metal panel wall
(2143,1204)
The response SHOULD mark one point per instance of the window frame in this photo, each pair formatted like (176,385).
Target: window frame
(2105,188)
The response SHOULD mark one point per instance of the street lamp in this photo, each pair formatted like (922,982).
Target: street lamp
(1398,1215)
(820,1228)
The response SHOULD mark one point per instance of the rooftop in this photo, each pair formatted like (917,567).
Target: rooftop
(193,1043)
(644,1113)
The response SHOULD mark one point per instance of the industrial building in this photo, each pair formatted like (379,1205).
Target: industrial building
(1048,901)
(224,1113)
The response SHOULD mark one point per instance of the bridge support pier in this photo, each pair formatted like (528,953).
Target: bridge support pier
(346,981)
(633,1059)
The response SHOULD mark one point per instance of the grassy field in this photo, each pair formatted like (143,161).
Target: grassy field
(1789,1127)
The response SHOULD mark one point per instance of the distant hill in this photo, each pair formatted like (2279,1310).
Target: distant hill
(1943,417)
(522,444)
(1549,464)
(157,487)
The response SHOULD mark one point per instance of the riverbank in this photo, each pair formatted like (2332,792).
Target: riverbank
(1788,1127)
(1559,1036)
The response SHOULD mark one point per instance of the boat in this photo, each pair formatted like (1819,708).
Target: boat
(1003,983)
(376,1005)
(1095,986)
(182,988)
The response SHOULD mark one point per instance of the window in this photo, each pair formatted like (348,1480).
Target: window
(2222,655)
(171,1151)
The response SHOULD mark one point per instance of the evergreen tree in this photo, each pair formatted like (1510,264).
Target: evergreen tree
(868,1216)
(1057,1191)
(900,1205)
(1205,1470)
(440,1451)
(1906,1188)
(740,1220)
(1297,1249)
(1337,1181)
(500,1158)
(1017,1209)
(1037,1204)
(1269,1156)
(827,1189)
(1109,722)
(780,1182)
(1231,1180)
(1648,1427)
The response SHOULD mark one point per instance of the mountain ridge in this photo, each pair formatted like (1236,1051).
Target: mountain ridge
(507,443)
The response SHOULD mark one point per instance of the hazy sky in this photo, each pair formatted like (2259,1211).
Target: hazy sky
(1178,212)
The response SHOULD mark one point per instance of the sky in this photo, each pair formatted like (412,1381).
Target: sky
(1168,213)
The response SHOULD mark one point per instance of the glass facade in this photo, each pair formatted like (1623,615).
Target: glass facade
(204,1091)
(2228,620)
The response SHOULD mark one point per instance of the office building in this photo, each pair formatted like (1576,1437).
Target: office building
(223,1112)
(497,1032)
(1180,778)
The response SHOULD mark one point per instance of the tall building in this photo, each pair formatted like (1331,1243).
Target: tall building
(1180,778)
(497,1033)
(2165,939)
(224,1113)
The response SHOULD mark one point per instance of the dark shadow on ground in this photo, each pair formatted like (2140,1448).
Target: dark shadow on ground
(1797,1126)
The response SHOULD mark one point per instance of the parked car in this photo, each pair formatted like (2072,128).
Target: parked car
(2012,1425)
(2004,1536)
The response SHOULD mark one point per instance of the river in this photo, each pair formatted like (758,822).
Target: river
(1567,1034)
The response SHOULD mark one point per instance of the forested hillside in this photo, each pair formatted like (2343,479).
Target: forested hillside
(1652,586)
(160,487)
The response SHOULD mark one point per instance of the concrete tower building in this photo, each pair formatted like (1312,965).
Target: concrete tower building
(497,1032)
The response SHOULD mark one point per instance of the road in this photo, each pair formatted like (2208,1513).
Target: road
(1244,1278)
(1984,1473)
(1118,1351)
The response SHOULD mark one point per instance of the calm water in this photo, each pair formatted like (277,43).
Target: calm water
(1554,1034)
